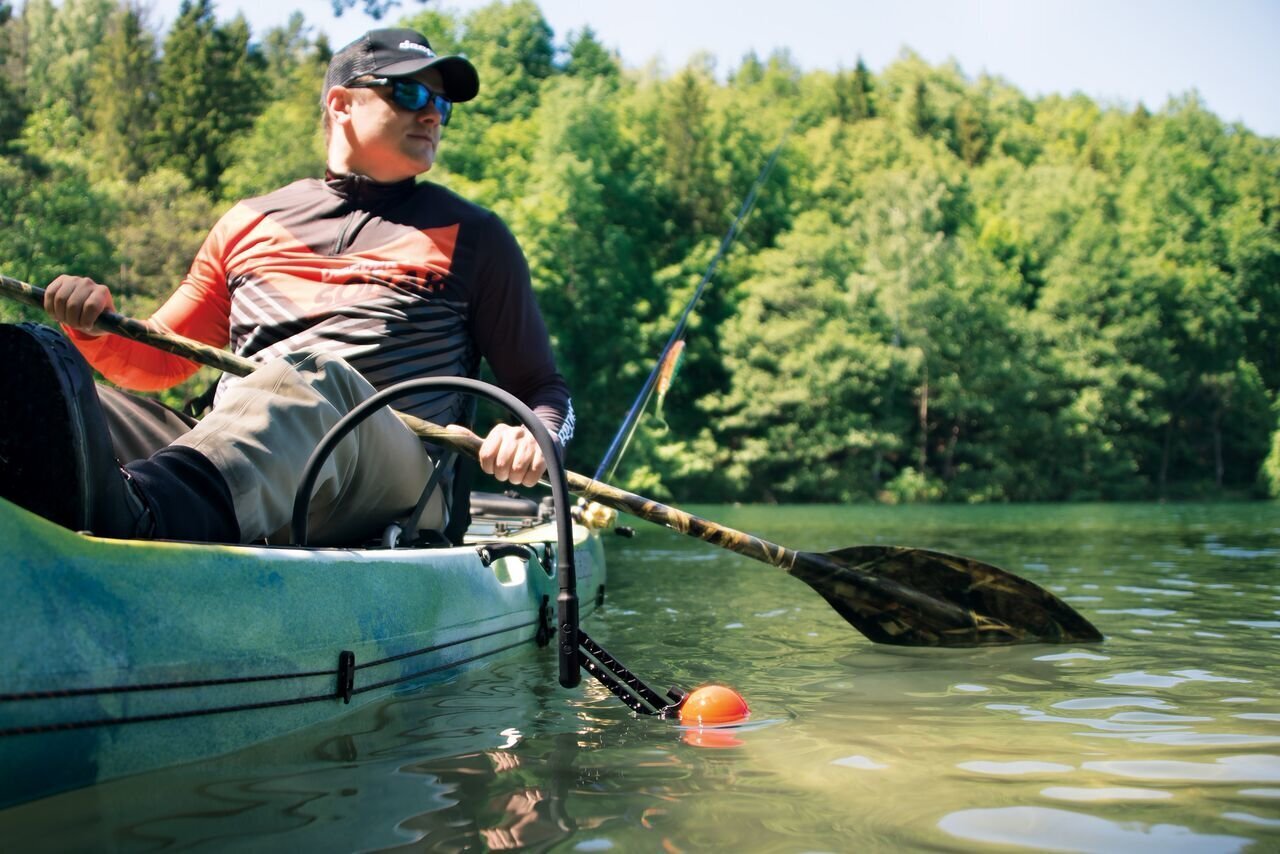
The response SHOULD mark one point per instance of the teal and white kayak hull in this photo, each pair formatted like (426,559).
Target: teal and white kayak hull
(125,656)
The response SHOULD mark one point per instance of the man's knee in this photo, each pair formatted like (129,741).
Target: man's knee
(325,375)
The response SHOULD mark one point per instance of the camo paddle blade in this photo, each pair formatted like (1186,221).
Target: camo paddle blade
(916,597)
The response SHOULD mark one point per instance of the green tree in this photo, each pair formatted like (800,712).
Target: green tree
(1251,247)
(209,91)
(153,259)
(1172,204)
(12,103)
(488,141)
(591,272)
(53,220)
(53,134)
(373,8)
(60,47)
(1106,316)
(266,157)
(285,50)
(997,428)
(591,60)
(511,46)
(809,414)
(854,94)
(969,133)
(1269,474)
(904,261)
(683,124)
(123,86)
(750,71)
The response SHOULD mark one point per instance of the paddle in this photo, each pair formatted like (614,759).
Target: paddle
(892,594)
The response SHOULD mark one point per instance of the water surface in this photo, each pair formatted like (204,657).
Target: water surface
(1166,737)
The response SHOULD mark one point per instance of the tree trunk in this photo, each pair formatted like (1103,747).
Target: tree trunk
(1218,467)
(1164,458)
(948,467)
(923,414)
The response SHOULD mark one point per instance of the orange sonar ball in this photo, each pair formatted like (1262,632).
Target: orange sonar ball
(712,705)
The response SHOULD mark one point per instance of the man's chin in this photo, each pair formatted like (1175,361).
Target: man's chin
(424,164)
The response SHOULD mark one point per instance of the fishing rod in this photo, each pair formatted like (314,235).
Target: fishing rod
(665,368)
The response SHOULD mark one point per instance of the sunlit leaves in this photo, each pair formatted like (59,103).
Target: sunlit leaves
(948,289)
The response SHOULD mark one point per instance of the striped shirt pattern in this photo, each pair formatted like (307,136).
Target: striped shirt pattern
(403,281)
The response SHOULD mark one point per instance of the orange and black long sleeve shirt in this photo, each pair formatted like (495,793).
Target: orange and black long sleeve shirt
(402,280)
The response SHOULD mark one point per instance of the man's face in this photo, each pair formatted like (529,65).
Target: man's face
(390,143)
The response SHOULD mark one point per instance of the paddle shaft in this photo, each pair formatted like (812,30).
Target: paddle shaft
(891,594)
(723,536)
(136,330)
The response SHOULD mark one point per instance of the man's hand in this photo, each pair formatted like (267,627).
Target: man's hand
(510,454)
(78,302)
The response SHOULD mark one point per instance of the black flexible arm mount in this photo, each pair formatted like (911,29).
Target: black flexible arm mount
(574,647)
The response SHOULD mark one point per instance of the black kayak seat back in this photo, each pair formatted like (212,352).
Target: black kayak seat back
(504,505)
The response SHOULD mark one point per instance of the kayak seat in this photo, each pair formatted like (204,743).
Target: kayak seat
(507,505)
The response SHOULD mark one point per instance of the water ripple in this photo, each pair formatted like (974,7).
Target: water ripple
(1250,818)
(1154,591)
(1073,656)
(1105,793)
(1256,624)
(1151,743)
(1142,679)
(1249,768)
(1018,768)
(1063,830)
(1091,703)
(1198,739)
(862,763)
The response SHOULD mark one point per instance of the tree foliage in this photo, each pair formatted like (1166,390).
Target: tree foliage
(123,85)
(209,91)
(948,290)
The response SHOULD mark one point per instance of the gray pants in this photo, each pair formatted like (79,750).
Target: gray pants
(140,426)
(261,434)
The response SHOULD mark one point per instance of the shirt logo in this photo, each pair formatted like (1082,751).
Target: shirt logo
(421,48)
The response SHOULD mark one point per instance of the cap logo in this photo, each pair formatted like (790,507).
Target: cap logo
(421,48)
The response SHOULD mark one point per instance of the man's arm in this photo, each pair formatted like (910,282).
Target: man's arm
(512,337)
(199,309)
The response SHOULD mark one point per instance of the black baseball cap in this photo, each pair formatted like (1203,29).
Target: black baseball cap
(399,53)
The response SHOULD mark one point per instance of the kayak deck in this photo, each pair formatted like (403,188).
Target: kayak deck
(126,656)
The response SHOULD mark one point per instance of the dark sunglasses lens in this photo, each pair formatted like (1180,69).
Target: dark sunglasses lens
(445,108)
(413,95)
(409,94)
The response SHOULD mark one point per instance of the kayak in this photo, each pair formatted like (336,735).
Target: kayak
(126,656)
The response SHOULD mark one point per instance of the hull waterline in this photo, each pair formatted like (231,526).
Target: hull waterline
(122,657)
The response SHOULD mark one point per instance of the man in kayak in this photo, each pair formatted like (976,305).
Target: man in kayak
(338,287)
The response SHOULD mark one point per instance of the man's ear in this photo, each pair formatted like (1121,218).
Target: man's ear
(337,102)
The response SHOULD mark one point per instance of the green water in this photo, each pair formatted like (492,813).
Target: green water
(1166,737)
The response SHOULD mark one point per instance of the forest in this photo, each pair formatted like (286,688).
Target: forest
(947,290)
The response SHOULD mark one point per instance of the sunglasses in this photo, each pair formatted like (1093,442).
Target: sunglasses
(410,94)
